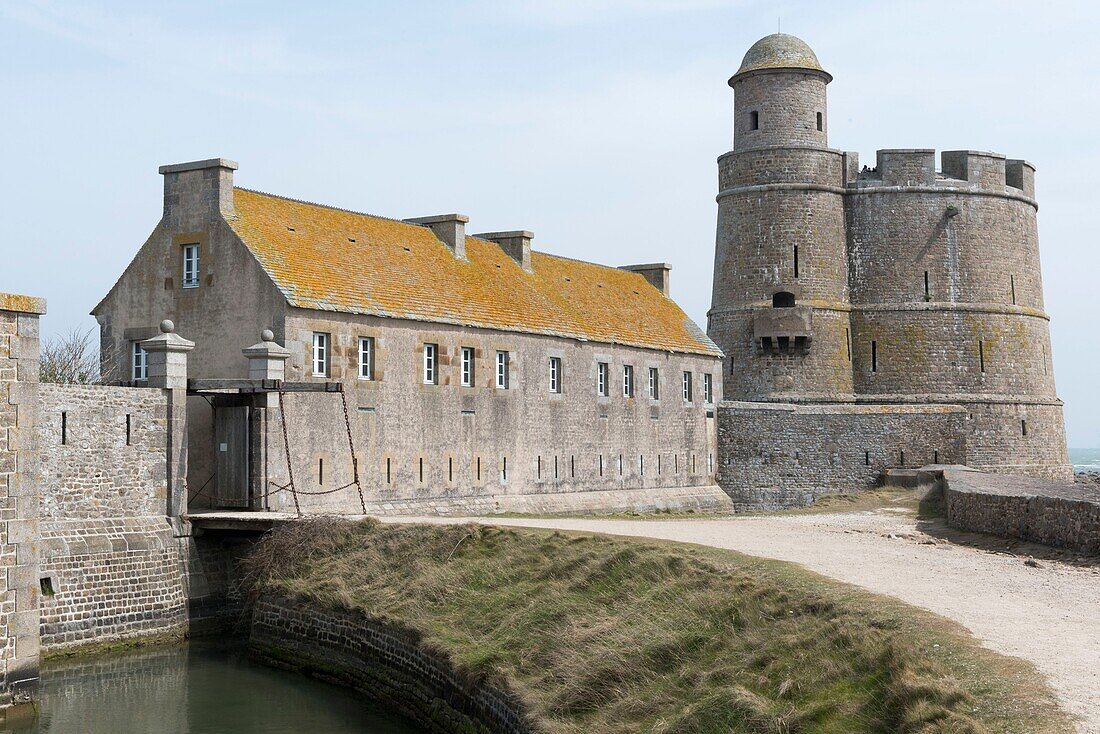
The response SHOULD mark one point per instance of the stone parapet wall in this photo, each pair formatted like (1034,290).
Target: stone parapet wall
(387,664)
(777,455)
(111,462)
(110,580)
(111,562)
(1059,514)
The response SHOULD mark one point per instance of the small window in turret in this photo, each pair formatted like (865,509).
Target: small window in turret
(819,127)
(754,120)
(783,299)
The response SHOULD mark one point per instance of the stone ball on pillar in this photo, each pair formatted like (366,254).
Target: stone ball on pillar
(167,327)
(267,335)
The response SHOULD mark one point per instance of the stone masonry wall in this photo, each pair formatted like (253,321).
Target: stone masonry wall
(443,447)
(777,455)
(19,639)
(1053,513)
(384,662)
(111,564)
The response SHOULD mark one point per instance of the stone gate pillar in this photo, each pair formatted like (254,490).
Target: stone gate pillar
(266,361)
(19,498)
(168,371)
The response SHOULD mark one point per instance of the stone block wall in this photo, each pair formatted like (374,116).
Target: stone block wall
(111,566)
(19,638)
(110,580)
(1059,514)
(776,455)
(446,447)
(385,663)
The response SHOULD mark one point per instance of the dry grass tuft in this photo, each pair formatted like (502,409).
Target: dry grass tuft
(615,635)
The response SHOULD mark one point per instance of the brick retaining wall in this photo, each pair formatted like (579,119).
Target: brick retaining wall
(384,662)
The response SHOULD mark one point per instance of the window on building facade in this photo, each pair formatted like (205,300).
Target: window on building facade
(754,120)
(190,266)
(555,374)
(467,366)
(628,381)
(139,362)
(502,370)
(366,358)
(431,364)
(687,387)
(601,379)
(819,121)
(320,354)
(654,384)
(708,388)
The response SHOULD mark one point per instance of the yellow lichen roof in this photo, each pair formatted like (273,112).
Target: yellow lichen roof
(335,260)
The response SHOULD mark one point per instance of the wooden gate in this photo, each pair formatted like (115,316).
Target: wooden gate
(231,456)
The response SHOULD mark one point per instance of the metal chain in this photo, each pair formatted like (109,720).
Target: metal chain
(286,447)
(351,447)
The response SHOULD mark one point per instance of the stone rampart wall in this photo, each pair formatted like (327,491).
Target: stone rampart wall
(111,567)
(110,580)
(1059,514)
(777,455)
(385,663)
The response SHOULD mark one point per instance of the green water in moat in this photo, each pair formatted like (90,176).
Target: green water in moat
(206,687)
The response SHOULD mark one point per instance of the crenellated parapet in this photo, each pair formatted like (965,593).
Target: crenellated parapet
(960,171)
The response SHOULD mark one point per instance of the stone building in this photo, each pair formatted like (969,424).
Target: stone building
(872,317)
(477,374)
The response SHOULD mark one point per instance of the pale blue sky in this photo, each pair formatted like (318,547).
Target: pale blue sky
(594,123)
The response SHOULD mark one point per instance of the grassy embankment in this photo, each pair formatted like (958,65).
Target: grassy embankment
(615,635)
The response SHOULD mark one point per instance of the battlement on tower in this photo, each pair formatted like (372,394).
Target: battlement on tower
(965,169)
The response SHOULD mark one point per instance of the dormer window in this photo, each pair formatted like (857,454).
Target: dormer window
(190,266)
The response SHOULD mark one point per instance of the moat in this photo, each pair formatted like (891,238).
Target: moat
(206,687)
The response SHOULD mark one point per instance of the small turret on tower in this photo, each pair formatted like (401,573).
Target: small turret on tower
(780,308)
(780,95)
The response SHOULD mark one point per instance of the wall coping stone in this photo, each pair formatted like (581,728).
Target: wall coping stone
(22,304)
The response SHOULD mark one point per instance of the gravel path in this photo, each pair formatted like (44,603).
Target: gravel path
(1048,615)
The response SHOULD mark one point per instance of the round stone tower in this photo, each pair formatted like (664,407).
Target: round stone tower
(780,307)
(947,301)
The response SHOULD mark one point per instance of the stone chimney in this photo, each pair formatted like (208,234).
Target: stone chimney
(655,273)
(516,245)
(197,193)
(449,228)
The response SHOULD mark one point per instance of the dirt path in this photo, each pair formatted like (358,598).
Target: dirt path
(1048,615)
